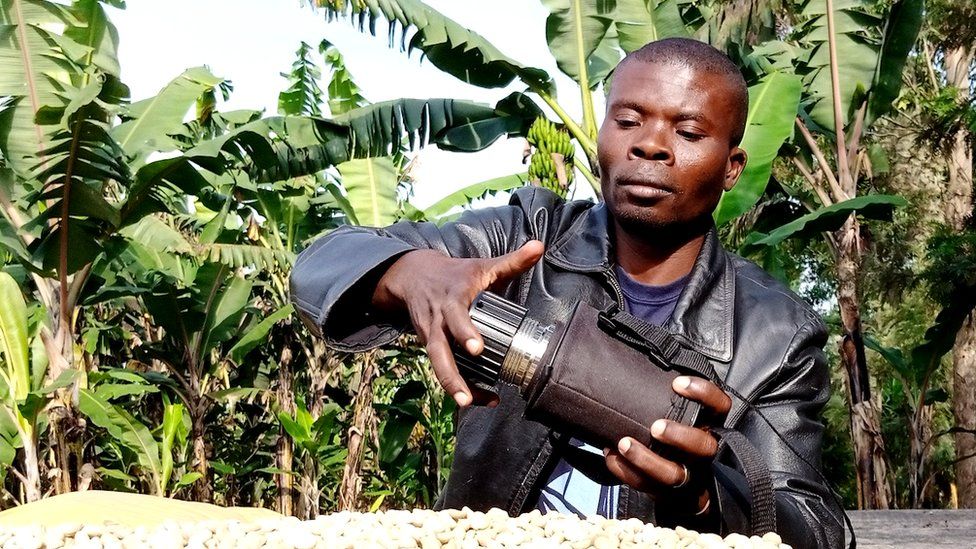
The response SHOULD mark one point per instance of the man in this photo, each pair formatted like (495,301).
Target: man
(667,149)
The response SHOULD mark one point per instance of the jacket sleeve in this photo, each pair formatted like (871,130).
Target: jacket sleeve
(333,279)
(783,424)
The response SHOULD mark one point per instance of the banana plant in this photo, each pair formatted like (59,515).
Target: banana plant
(16,378)
(24,392)
(201,305)
(915,371)
(152,451)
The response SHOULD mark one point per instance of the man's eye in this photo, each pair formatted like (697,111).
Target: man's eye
(689,135)
(627,123)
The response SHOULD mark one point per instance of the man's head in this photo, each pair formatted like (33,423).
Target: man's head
(668,147)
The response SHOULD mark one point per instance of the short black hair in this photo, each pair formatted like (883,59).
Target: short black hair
(701,57)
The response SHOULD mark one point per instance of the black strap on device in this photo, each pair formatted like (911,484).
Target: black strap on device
(654,341)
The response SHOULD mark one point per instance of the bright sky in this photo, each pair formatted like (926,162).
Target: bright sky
(251,42)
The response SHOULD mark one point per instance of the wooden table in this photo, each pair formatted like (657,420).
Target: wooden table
(910,529)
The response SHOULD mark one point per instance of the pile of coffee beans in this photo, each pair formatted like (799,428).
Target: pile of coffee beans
(425,529)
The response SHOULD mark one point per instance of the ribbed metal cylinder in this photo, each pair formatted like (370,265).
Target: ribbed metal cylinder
(497,320)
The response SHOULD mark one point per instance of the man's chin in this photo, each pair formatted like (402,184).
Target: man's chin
(645,225)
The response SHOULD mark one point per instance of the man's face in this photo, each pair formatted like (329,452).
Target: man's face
(664,148)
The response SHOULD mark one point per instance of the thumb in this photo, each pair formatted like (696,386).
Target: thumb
(512,264)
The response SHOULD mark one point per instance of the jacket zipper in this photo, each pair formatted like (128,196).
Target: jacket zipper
(618,292)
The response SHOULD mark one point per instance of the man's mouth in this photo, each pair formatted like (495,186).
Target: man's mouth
(644,188)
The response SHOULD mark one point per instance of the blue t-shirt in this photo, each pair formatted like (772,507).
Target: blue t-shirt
(580,484)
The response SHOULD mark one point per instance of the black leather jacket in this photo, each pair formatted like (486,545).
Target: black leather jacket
(761,338)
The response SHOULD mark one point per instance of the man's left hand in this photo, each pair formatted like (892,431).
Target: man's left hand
(683,479)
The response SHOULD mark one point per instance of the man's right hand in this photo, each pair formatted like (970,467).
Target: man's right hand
(437,291)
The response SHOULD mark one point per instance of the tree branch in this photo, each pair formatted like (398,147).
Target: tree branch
(814,184)
(839,194)
(929,61)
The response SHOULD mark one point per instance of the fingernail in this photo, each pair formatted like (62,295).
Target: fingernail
(682,382)
(472,346)
(606,452)
(623,445)
(658,428)
(462,398)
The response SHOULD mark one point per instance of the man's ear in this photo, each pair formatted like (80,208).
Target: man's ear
(734,166)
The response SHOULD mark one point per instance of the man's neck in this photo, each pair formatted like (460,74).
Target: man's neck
(657,261)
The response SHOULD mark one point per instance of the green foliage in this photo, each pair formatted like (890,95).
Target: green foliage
(640,22)
(772,105)
(344,95)
(128,431)
(449,46)
(830,218)
(371,185)
(34,73)
(901,28)
(465,196)
(149,124)
(575,30)
(943,115)
(952,263)
(857,46)
(304,95)
(13,335)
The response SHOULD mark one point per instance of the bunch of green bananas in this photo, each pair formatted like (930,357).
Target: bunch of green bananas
(552,145)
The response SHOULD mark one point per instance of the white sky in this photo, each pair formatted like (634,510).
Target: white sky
(251,42)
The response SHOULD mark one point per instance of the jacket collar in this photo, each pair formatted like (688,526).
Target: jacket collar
(704,315)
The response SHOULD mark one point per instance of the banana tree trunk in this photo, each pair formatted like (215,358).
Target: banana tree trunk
(202,489)
(363,415)
(32,472)
(285,450)
(322,364)
(66,432)
(307,507)
(959,208)
(872,486)
(920,428)
(65,439)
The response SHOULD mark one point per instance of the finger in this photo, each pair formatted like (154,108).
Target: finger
(442,360)
(704,392)
(627,473)
(512,264)
(420,317)
(459,323)
(690,440)
(653,469)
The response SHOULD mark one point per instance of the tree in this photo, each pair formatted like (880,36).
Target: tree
(949,49)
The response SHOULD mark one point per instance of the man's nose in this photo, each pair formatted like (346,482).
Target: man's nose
(651,144)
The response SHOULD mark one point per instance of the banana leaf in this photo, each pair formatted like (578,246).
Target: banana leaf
(124,428)
(32,69)
(451,47)
(830,218)
(772,106)
(574,31)
(370,185)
